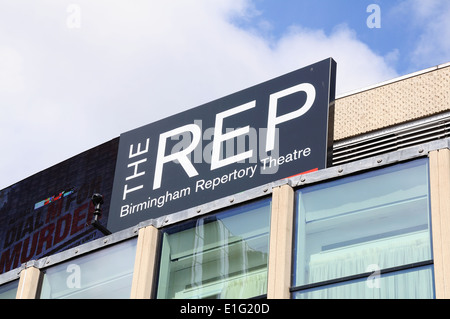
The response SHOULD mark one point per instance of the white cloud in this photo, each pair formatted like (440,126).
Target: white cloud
(131,63)
(358,66)
(434,42)
(11,75)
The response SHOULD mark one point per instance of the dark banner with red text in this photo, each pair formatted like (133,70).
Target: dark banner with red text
(52,210)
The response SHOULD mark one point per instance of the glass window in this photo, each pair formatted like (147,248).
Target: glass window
(218,256)
(103,274)
(9,290)
(355,225)
(384,286)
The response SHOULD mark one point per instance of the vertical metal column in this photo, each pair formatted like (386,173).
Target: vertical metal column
(145,263)
(29,283)
(280,249)
(440,219)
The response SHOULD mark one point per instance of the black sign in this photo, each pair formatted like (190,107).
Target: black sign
(274,130)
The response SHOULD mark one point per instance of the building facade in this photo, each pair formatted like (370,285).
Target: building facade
(374,224)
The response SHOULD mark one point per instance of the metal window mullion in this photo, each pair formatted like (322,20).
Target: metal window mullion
(280,243)
(144,274)
(440,219)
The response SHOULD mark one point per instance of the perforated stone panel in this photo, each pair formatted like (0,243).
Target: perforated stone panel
(406,99)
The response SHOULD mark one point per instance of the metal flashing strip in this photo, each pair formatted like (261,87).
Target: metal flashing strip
(11,275)
(374,162)
(84,248)
(252,194)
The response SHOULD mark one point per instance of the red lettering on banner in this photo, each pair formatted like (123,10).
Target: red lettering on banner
(9,261)
(77,217)
(28,253)
(43,239)
(64,224)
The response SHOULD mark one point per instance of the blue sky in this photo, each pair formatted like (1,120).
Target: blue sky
(133,62)
(403,23)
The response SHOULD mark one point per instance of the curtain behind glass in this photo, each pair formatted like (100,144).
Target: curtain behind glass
(414,283)
(220,256)
(376,219)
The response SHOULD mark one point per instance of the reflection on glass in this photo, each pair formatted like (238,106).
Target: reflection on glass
(103,274)
(376,219)
(9,290)
(219,256)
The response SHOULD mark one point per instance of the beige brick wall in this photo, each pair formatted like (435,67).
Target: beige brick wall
(412,97)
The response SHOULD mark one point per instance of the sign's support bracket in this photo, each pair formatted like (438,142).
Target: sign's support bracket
(97,199)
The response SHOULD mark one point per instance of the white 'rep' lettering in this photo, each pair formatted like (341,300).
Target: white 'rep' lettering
(181,156)
(219,137)
(181,152)
(273,120)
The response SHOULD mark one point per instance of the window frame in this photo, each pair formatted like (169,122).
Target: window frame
(184,224)
(293,289)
